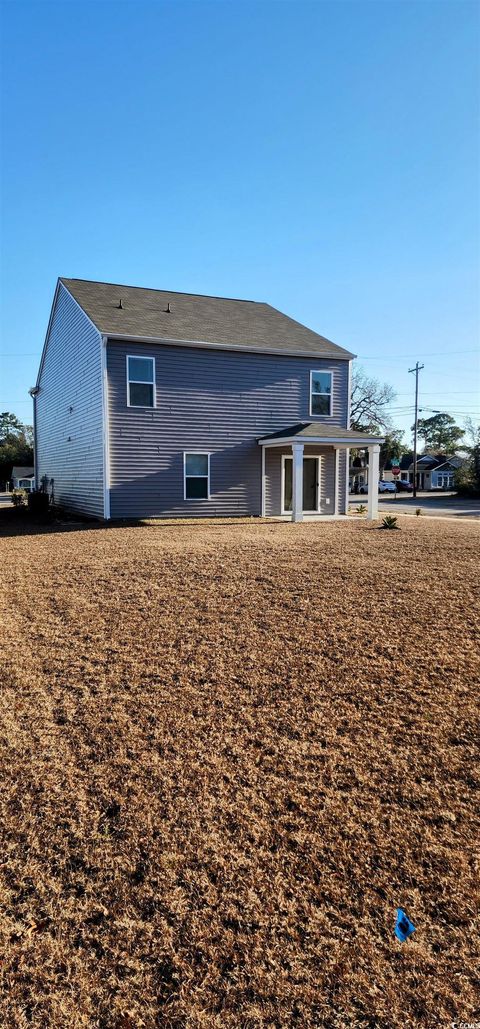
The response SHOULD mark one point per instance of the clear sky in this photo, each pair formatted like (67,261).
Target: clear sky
(323,157)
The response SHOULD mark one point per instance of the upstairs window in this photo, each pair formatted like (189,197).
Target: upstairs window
(196,476)
(141,381)
(321,393)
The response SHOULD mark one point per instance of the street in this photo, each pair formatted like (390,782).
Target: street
(443,505)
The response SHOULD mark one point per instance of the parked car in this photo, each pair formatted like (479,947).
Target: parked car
(383,487)
(403,486)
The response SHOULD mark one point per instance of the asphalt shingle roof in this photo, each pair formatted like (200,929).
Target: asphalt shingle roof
(215,320)
(304,430)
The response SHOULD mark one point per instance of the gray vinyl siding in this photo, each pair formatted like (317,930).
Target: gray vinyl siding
(69,419)
(216,401)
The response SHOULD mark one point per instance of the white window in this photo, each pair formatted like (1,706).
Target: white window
(321,393)
(141,381)
(196,476)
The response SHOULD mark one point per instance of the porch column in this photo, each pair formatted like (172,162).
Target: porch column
(373,473)
(297,482)
(263,483)
(347,481)
(336,509)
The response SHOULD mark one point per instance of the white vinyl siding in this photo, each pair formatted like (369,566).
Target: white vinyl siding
(69,410)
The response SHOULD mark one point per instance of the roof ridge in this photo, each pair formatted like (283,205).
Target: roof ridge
(155,289)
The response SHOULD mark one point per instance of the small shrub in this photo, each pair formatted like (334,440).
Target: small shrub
(361,509)
(390,522)
(19,498)
(418,511)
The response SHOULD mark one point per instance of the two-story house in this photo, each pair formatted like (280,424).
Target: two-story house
(158,404)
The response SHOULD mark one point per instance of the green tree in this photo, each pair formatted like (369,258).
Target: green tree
(16,444)
(393,447)
(440,434)
(467,478)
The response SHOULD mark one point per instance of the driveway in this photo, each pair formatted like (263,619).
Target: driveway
(443,505)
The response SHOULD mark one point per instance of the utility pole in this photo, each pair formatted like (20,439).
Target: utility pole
(417,369)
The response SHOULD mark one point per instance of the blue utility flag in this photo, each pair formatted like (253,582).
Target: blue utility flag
(403,926)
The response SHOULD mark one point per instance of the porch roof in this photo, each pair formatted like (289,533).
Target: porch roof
(317,432)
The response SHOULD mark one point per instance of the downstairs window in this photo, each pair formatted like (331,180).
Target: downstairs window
(196,476)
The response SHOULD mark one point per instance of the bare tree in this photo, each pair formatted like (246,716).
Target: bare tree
(370,402)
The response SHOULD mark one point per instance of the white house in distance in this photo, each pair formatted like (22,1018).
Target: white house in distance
(23,477)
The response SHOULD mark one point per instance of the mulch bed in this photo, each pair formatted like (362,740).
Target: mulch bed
(229,752)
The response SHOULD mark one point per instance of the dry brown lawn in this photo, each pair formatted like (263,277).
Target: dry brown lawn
(229,751)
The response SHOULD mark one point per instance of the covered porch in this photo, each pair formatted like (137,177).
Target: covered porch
(305,471)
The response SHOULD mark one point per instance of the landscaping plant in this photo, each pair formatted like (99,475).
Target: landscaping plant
(19,497)
(390,522)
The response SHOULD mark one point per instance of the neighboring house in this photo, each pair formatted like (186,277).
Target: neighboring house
(23,477)
(358,471)
(432,472)
(443,476)
(158,404)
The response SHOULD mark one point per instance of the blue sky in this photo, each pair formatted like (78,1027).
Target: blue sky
(320,156)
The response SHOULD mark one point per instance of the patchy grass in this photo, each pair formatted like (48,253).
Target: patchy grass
(229,752)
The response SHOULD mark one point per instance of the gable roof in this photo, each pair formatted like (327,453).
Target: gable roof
(427,461)
(431,463)
(451,463)
(192,318)
(20,471)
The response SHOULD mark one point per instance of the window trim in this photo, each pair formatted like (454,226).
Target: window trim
(320,371)
(141,407)
(203,453)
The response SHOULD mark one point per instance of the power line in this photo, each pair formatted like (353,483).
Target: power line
(459,414)
(433,353)
(435,392)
